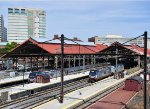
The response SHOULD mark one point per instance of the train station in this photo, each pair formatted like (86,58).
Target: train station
(80,60)
(45,54)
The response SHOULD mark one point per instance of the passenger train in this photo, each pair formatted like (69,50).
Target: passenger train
(97,74)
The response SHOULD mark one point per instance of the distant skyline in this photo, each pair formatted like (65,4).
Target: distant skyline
(88,18)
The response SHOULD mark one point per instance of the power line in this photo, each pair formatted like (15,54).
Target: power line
(80,44)
(132,39)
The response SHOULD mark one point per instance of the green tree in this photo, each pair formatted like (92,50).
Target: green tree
(3,51)
(10,46)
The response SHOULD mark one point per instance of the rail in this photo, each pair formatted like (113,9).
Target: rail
(95,96)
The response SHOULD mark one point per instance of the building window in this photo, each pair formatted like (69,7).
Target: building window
(10,10)
(23,11)
(16,10)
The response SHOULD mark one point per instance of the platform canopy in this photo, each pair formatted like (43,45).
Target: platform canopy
(127,50)
(35,47)
(39,47)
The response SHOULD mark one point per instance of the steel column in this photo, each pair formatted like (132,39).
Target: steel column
(74,61)
(37,65)
(145,70)
(24,69)
(31,64)
(62,69)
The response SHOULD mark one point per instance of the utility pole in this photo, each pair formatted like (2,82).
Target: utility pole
(62,69)
(145,69)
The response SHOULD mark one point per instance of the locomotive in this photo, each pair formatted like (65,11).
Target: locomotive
(102,72)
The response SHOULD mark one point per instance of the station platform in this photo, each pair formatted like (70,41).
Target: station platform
(13,79)
(81,95)
(19,91)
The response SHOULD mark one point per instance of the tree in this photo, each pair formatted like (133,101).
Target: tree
(3,51)
(10,46)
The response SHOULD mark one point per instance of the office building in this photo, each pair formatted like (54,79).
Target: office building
(109,39)
(24,23)
(3,30)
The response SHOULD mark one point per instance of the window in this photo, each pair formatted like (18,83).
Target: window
(10,10)
(23,11)
(16,10)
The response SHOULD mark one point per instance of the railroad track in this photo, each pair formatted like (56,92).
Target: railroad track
(87,102)
(43,96)
(91,100)
(17,83)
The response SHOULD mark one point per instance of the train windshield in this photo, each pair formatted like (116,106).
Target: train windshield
(93,72)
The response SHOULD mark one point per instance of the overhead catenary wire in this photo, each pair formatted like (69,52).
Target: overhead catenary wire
(80,44)
(132,39)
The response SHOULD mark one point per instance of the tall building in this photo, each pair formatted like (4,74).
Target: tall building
(109,39)
(3,30)
(24,23)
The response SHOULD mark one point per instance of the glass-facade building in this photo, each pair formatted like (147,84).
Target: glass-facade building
(24,23)
(3,30)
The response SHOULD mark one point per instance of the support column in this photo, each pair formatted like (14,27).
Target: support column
(31,64)
(69,61)
(56,62)
(16,63)
(43,64)
(37,65)
(94,59)
(116,57)
(79,61)
(88,60)
(48,63)
(24,69)
(91,59)
(139,61)
(83,62)
(74,61)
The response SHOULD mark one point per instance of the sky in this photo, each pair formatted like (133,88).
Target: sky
(88,18)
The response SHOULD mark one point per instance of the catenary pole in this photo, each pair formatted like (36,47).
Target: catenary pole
(62,68)
(145,69)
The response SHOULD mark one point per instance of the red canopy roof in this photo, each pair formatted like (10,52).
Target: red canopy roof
(55,48)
